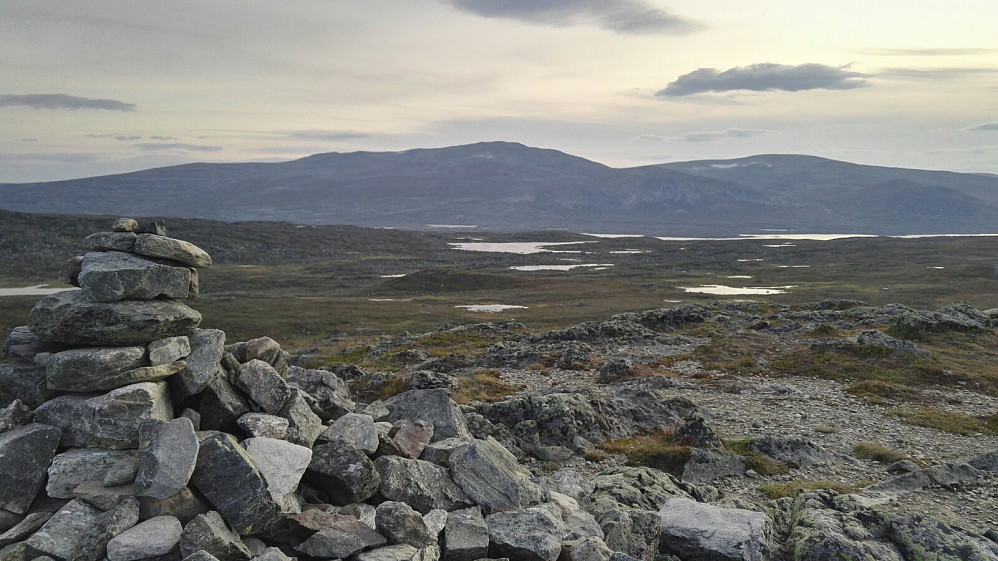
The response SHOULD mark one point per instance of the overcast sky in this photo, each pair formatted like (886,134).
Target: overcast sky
(107,86)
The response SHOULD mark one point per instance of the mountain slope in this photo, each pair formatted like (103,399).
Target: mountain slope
(509,186)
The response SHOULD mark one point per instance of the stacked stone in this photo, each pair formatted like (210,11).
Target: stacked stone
(130,433)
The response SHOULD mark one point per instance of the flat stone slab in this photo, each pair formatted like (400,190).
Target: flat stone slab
(73,318)
(173,249)
(152,538)
(88,369)
(113,275)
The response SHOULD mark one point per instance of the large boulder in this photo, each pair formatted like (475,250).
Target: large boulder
(794,451)
(822,525)
(355,428)
(433,406)
(112,276)
(421,485)
(695,530)
(533,534)
(73,318)
(228,478)
(491,477)
(25,454)
(921,537)
(88,369)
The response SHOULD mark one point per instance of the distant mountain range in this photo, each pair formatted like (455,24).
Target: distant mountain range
(509,186)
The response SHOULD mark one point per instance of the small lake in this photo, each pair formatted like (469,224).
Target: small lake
(594,266)
(37,290)
(490,308)
(519,248)
(736,291)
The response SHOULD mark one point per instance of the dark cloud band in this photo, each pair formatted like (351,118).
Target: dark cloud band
(764,76)
(151,146)
(985,127)
(63,101)
(621,16)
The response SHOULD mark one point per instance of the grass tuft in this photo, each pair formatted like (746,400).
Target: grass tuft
(780,490)
(483,385)
(877,452)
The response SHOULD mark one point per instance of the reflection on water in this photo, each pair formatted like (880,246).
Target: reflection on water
(491,308)
(520,248)
(732,290)
(597,267)
(37,290)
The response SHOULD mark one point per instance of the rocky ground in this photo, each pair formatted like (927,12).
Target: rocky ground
(717,431)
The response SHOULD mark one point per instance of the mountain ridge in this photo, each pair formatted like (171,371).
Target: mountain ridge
(513,187)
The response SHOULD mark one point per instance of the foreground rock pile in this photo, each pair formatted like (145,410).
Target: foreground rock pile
(128,432)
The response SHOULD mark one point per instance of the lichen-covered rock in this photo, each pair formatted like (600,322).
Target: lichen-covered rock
(707,465)
(71,317)
(93,545)
(228,478)
(412,437)
(168,452)
(533,534)
(335,536)
(263,385)
(491,477)
(112,276)
(209,533)
(421,485)
(356,429)
(401,524)
(87,369)
(263,425)
(467,535)
(827,526)
(25,454)
(152,538)
(702,531)
(344,474)
(327,394)
(636,532)
(920,537)
(794,451)
(433,406)
(203,362)
(169,349)
(61,536)
(79,465)
(180,251)
(112,420)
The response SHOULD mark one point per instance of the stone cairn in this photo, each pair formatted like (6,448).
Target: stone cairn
(128,432)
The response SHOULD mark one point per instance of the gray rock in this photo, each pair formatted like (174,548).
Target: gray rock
(363,512)
(157,227)
(433,406)
(439,452)
(559,419)
(112,276)
(24,381)
(947,475)
(200,555)
(467,535)
(151,538)
(79,465)
(377,410)
(581,524)
(343,473)
(282,465)
(93,545)
(702,531)
(269,554)
(142,374)
(110,241)
(435,521)
(183,506)
(203,362)
(71,269)
(168,452)
(263,385)
(165,351)
(328,395)
(304,426)
(162,247)
(27,526)
(986,462)
(921,537)
(708,465)
(71,317)
(262,348)
(637,487)
(412,437)
(401,524)
(104,498)
(65,412)
(533,534)
(60,537)
(209,533)
(86,370)
(421,485)
(25,454)
(491,477)
(23,344)
(336,536)
(793,451)
(400,552)
(356,429)
(586,549)
(113,419)
(228,478)
(821,525)
(636,532)
(221,406)
(263,425)
(125,225)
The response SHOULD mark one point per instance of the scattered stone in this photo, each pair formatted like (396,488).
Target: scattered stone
(25,454)
(533,534)
(168,452)
(467,535)
(160,246)
(71,317)
(209,533)
(263,385)
(263,425)
(421,485)
(695,530)
(491,477)
(356,429)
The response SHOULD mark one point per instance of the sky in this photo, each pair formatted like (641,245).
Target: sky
(94,87)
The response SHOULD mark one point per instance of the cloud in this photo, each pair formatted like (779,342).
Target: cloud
(62,101)
(985,127)
(765,76)
(728,133)
(927,52)
(123,138)
(636,17)
(150,146)
(334,135)
(162,138)
(933,73)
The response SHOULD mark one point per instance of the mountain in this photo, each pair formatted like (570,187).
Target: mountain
(509,186)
